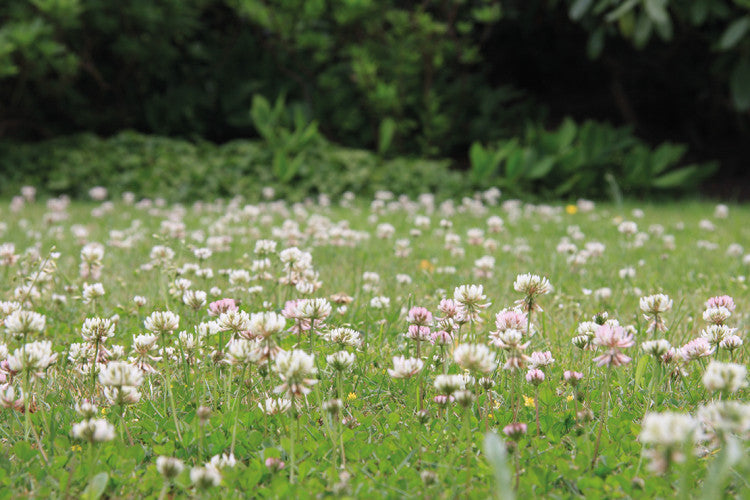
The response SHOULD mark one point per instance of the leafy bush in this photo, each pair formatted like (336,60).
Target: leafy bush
(581,160)
(722,25)
(179,170)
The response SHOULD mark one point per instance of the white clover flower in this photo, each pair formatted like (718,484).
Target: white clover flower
(296,369)
(194,299)
(540,359)
(274,406)
(344,337)
(731,342)
(626,273)
(143,343)
(202,253)
(728,377)
(448,384)
(667,428)
(655,304)
(205,477)
(125,395)
(725,417)
(380,302)
(86,409)
(120,374)
(716,315)
(98,193)
(315,309)
(92,253)
(471,296)
(94,329)
(161,253)
(7,307)
(20,323)
(656,348)
(234,321)
(715,334)
(628,227)
(239,277)
(384,230)
(532,285)
(696,348)
(243,352)
(94,430)
(33,357)
(222,461)
(667,437)
(405,367)
(92,292)
(169,467)
(341,360)
(265,247)
(475,357)
(10,397)
(266,324)
(162,322)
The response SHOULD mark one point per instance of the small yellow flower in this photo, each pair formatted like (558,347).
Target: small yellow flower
(569,398)
(352,396)
(571,209)
(426,265)
(497,405)
(76,447)
(104,411)
(529,402)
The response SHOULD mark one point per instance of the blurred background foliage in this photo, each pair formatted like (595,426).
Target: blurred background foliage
(552,97)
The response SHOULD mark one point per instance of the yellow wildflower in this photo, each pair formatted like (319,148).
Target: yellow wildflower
(426,265)
(529,402)
(571,209)
(352,396)
(569,398)
(76,447)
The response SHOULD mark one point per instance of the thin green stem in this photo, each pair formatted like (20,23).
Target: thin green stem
(602,417)
(467,425)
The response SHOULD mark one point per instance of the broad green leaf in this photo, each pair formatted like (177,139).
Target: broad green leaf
(621,10)
(676,178)
(739,83)
(385,136)
(487,14)
(642,32)
(595,44)
(657,11)
(665,156)
(514,165)
(96,488)
(541,168)
(640,370)
(579,9)
(497,456)
(734,33)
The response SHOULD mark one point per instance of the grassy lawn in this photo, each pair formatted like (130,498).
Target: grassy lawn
(371,429)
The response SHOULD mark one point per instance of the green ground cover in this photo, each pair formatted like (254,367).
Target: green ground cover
(377,427)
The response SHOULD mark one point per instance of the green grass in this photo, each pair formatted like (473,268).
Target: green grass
(389,449)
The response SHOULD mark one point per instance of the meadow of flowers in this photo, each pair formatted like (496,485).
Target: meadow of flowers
(372,348)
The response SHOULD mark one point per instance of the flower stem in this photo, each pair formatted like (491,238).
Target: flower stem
(602,417)
(536,408)
(467,425)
